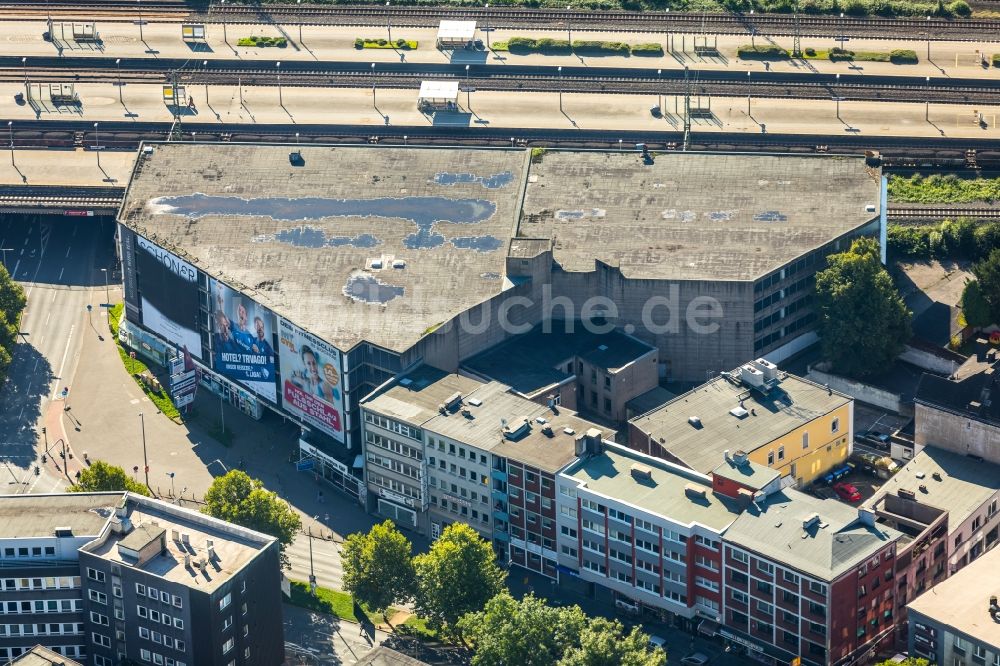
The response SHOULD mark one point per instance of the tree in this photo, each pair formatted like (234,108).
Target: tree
(975,309)
(528,632)
(605,643)
(987,273)
(863,322)
(909,661)
(100,476)
(457,576)
(237,498)
(12,302)
(378,567)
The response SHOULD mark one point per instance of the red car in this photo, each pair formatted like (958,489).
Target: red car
(847,492)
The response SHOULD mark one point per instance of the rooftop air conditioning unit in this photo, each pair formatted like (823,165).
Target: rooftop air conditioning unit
(694,421)
(751,376)
(695,491)
(810,520)
(769,369)
(641,472)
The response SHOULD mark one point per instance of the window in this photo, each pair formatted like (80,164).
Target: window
(98,597)
(766,567)
(100,639)
(246,630)
(152,593)
(97,618)
(765,607)
(835,425)
(739,596)
(228,622)
(157,637)
(158,658)
(179,623)
(770,457)
(141,611)
(790,577)
(818,588)
(225,601)
(94,574)
(177,600)
(140,589)
(739,556)
(145,655)
(763,587)
(781,453)
(154,615)
(228,645)
(243,609)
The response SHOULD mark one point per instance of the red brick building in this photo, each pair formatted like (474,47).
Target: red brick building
(809,578)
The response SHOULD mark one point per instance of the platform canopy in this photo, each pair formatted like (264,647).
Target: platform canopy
(456,33)
(441,91)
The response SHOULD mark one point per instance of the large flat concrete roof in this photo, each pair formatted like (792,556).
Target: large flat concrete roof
(792,403)
(962,600)
(693,216)
(609,474)
(358,243)
(27,516)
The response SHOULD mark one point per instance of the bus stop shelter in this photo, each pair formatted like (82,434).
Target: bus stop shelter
(439,95)
(456,34)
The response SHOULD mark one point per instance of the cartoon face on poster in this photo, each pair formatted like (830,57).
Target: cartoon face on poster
(241,341)
(310,385)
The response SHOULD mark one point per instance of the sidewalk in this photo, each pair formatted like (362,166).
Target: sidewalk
(336,43)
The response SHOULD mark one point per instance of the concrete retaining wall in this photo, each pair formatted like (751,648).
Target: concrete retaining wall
(863,392)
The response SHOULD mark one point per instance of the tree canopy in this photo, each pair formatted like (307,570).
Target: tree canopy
(863,321)
(12,302)
(975,309)
(605,643)
(237,498)
(909,661)
(378,567)
(528,632)
(100,476)
(987,274)
(457,576)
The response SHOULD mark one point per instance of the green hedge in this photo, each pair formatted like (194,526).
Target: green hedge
(943,188)
(401,44)
(762,52)
(545,45)
(958,239)
(647,49)
(903,57)
(996,59)
(280,42)
(584,47)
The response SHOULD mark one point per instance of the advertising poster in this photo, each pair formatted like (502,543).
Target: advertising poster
(310,386)
(242,341)
(183,380)
(168,287)
(131,295)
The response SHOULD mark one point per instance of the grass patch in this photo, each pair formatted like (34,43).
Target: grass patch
(648,50)
(263,42)
(401,44)
(417,628)
(762,52)
(940,188)
(136,367)
(332,602)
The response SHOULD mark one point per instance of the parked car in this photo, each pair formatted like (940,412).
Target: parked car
(695,659)
(656,642)
(847,492)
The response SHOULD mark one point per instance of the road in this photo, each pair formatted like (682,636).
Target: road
(57,261)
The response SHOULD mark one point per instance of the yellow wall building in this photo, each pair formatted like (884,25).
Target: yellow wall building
(790,424)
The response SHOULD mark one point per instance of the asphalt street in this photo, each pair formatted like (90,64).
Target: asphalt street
(57,260)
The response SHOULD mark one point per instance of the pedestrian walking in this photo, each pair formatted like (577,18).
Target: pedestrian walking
(326,518)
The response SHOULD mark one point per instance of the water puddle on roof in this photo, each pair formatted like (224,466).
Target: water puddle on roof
(369,289)
(492,182)
(424,212)
(477,243)
(313,237)
(490,276)
(580,214)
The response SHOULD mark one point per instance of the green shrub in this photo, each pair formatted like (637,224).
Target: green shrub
(811,52)
(553,46)
(647,49)
(359,43)
(402,44)
(903,57)
(521,45)
(585,47)
(837,53)
(381,42)
(996,59)
(762,52)
(960,8)
(952,239)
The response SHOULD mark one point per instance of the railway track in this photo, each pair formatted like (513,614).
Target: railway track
(509,79)
(519,17)
(933,213)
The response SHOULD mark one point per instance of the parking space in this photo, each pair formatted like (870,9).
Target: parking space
(868,419)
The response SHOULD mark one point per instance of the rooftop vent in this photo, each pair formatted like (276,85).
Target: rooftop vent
(920,475)
(869,208)
(641,472)
(994,609)
(175,536)
(769,370)
(740,457)
(906,494)
(376,264)
(569,431)
(751,376)
(739,412)
(453,400)
(399,263)
(695,491)
(63,531)
(923,488)
(475,402)
(467,414)
(405,381)
(186,539)
(547,431)
(519,430)
(695,421)
(936,476)
(187,561)
(810,521)
(211,553)
(602,347)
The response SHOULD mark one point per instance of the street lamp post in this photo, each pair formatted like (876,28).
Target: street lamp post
(468,89)
(107,293)
(145,460)
(225,37)
(299,3)
(139,22)
(118,64)
(927,106)
(281,101)
(97,146)
(374,103)
(928,38)
(10,129)
(569,26)
(659,90)
(748,94)
(838,97)
(560,88)
(486,18)
(204,64)
(24,64)
(388,21)
(171,475)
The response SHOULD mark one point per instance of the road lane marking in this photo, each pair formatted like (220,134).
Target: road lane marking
(67,251)
(47,317)
(61,270)
(54,292)
(14,274)
(62,366)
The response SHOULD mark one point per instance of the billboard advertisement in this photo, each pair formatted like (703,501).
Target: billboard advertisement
(183,380)
(131,293)
(168,287)
(242,340)
(310,385)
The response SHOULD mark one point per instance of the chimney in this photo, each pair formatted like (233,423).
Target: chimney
(186,539)
(175,536)
(725,455)
(641,472)
(866,516)
(695,491)
(741,457)
(211,553)
(994,609)
(187,561)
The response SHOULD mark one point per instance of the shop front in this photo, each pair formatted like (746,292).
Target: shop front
(333,471)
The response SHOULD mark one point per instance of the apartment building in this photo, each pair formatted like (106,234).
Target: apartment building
(808,578)
(781,421)
(642,532)
(437,449)
(957,622)
(110,577)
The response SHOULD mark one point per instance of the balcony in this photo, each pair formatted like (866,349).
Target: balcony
(499,496)
(500,515)
(497,475)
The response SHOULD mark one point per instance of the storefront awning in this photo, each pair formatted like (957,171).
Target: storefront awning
(708,627)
